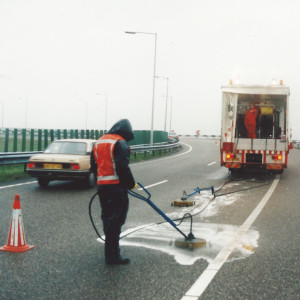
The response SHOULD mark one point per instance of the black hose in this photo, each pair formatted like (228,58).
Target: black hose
(187,215)
(91,218)
(184,217)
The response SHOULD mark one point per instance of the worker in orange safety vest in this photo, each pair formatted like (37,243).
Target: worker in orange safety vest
(250,121)
(114,178)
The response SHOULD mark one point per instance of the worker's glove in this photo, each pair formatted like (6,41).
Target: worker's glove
(135,186)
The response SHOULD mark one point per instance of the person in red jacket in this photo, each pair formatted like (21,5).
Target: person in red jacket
(250,121)
(114,178)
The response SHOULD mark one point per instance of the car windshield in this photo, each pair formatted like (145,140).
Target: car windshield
(67,148)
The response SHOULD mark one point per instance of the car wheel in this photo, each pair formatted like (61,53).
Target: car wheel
(43,182)
(90,180)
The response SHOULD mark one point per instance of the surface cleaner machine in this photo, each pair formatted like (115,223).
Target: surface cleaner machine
(186,241)
(185,201)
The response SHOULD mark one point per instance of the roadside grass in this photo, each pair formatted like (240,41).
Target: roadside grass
(16,171)
(12,172)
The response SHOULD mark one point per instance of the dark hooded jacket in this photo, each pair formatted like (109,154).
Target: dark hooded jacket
(122,152)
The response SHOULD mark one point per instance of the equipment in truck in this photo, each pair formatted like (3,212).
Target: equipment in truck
(266,142)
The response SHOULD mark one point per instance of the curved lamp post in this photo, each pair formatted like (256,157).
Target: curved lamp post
(154,70)
(166,78)
(105,125)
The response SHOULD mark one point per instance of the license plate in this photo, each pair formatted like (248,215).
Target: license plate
(53,166)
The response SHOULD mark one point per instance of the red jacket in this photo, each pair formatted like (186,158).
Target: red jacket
(106,161)
(250,117)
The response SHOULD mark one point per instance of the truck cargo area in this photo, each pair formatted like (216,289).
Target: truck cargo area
(255,127)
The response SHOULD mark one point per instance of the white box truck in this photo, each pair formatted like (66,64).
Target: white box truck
(255,127)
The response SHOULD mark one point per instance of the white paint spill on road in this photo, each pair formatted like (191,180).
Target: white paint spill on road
(161,238)
(206,205)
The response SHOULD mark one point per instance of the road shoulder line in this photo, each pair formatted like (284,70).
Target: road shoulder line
(212,269)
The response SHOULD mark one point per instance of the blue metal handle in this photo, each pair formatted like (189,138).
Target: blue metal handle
(197,190)
(141,197)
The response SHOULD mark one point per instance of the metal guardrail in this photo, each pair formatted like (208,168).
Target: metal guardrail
(10,158)
(155,147)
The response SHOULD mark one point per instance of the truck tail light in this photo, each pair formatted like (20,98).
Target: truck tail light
(30,165)
(229,156)
(277,157)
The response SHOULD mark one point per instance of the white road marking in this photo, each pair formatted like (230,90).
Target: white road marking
(212,163)
(212,269)
(154,184)
(18,184)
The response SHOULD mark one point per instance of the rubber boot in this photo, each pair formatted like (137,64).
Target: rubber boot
(112,251)
(119,260)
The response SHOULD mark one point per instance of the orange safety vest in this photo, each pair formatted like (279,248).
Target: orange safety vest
(104,157)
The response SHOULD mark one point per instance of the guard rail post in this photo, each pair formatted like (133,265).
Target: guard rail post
(31,139)
(40,140)
(52,135)
(23,140)
(6,140)
(15,143)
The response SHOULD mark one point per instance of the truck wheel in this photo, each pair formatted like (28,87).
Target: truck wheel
(234,172)
(43,182)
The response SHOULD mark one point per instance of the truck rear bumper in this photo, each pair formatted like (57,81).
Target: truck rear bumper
(272,160)
(234,165)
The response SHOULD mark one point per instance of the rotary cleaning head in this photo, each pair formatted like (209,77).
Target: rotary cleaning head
(190,244)
(183,203)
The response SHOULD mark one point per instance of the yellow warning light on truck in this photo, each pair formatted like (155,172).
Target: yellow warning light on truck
(230,156)
(277,157)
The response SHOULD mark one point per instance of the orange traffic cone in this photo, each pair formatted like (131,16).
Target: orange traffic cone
(16,237)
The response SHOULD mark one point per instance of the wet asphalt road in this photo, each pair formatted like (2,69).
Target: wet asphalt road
(67,261)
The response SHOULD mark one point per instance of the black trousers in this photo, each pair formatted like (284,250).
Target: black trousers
(114,203)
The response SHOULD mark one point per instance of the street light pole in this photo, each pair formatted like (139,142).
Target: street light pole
(26,103)
(171,104)
(86,110)
(167,78)
(2,115)
(98,94)
(154,70)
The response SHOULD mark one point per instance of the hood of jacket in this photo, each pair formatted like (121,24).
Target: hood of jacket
(122,128)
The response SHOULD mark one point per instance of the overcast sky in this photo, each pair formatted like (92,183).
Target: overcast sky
(57,56)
